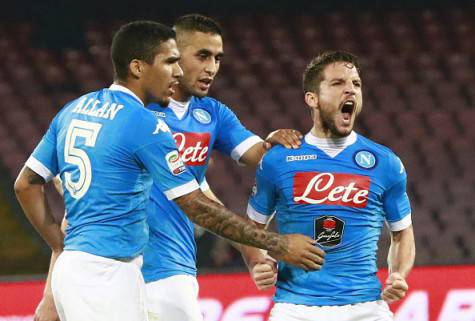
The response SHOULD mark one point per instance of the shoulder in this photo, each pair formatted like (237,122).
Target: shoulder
(389,163)
(380,150)
(210,104)
(277,157)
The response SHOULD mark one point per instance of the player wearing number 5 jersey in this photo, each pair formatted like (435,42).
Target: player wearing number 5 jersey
(338,188)
(107,148)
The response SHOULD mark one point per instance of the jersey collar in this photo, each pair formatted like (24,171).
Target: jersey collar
(126,90)
(179,107)
(331,146)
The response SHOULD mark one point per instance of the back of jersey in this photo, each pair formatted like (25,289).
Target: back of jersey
(105,186)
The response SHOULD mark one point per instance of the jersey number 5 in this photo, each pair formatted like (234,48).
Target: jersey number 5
(76,156)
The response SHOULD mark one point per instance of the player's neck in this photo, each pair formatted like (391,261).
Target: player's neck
(180,95)
(134,88)
(324,134)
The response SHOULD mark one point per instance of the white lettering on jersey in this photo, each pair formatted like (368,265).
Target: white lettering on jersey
(96,108)
(329,188)
(300,158)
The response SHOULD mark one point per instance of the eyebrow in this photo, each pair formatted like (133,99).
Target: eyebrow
(208,52)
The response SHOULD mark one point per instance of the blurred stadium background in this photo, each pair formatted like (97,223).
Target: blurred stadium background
(419,99)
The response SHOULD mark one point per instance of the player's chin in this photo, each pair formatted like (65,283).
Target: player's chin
(200,93)
(164,101)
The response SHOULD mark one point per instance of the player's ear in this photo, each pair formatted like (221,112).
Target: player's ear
(311,99)
(136,68)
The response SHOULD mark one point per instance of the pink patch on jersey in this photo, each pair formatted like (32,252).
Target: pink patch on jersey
(331,189)
(193,147)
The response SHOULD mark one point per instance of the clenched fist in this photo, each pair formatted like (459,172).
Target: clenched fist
(264,274)
(395,289)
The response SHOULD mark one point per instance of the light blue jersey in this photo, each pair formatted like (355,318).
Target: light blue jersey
(107,147)
(339,194)
(205,124)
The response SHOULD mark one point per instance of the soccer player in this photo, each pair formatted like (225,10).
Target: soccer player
(339,188)
(107,148)
(199,125)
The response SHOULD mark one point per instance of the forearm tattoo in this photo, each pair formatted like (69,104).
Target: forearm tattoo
(220,220)
(33,178)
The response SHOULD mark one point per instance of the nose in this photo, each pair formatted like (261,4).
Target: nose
(212,66)
(177,71)
(350,88)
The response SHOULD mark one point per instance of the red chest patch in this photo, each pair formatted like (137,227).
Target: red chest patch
(331,189)
(193,147)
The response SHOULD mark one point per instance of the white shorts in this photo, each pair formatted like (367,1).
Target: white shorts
(367,311)
(95,288)
(173,299)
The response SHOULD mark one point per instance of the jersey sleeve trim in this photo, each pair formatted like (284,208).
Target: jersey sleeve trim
(40,169)
(244,146)
(182,190)
(204,186)
(256,216)
(402,224)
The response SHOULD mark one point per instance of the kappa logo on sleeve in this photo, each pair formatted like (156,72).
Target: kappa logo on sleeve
(174,162)
(161,127)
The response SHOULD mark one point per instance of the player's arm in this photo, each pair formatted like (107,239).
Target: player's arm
(401,256)
(289,138)
(402,250)
(294,249)
(261,266)
(155,149)
(244,146)
(29,190)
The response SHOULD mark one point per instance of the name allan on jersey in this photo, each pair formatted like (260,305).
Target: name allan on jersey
(96,108)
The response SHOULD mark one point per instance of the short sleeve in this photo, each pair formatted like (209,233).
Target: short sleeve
(44,159)
(395,200)
(156,151)
(262,202)
(233,138)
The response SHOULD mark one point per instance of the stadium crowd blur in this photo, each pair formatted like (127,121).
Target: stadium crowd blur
(418,75)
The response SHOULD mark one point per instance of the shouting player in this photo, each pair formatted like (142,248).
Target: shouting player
(107,148)
(339,188)
(200,124)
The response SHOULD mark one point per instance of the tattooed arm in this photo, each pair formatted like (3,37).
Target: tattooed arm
(294,249)
(29,190)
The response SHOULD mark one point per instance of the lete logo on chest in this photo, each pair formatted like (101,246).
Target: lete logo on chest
(331,189)
(193,147)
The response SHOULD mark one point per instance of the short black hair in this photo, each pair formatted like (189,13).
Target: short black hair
(137,40)
(313,74)
(197,22)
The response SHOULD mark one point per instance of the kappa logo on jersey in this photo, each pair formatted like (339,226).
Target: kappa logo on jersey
(331,189)
(193,147)
(365,159)
(161,126)
(329,230)
(300,158)
(202,116)
(174,162)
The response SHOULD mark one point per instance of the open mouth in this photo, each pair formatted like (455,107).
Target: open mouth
(347,109)
(205,82)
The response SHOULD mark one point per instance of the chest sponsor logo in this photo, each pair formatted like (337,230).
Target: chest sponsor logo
(193,147)
(329,230)
(293,158)
(202,116)
(174,162)
(331,189)
(365,159)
